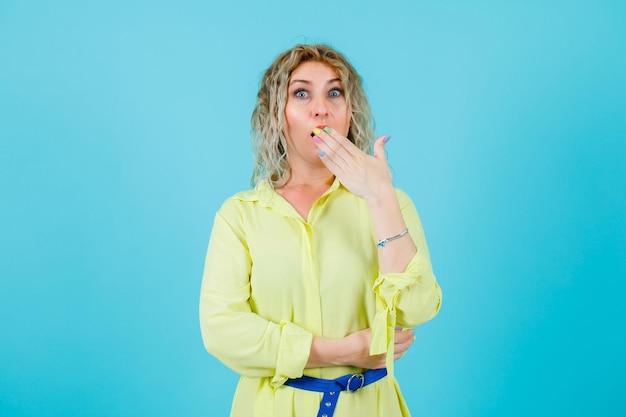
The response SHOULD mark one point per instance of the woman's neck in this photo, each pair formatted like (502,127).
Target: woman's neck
(301,191)
(310,179)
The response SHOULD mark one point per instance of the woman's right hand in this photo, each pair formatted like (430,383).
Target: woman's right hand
(357,348)
(354,350)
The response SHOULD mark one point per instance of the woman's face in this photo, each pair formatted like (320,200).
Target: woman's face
(315,97)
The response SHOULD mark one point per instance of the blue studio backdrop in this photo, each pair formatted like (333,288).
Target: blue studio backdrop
(125,124)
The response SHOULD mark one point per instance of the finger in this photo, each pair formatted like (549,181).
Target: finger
(402,347)
(404,341)
(334,163)
(379,147)
(331,149)
(402,335)
(335,135)
(336,141)
(333,160)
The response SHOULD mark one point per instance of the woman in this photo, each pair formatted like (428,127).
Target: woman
(308,275)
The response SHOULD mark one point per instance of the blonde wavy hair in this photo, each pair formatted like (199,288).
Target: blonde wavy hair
(271,160)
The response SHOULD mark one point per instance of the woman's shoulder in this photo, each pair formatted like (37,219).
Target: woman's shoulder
(239,198)
(259,193)
(245,196)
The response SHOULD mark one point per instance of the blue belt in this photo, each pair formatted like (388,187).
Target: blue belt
(332,387)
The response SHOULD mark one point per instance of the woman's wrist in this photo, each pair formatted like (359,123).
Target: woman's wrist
(395,247)
(381,196)
(347,351)
(326,352)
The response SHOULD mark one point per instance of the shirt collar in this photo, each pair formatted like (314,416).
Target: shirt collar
(267,194)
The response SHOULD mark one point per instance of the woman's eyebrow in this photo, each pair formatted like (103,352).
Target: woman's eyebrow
(309,82)
(299,81)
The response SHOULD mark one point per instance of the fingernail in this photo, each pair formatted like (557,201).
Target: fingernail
(316,139)
(317,131)
(386,139)
(327,129)
(320,153)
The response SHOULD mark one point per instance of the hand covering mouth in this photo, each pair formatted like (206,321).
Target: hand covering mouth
(319,127)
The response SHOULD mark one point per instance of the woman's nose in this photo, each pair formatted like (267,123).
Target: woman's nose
(320,108)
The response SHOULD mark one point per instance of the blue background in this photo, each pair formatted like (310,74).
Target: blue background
(125,124)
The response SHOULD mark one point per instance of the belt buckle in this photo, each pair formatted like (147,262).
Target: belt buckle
(360,376)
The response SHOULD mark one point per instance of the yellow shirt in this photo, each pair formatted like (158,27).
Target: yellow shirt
(273,280)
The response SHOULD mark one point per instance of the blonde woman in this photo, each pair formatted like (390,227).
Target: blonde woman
(315,277)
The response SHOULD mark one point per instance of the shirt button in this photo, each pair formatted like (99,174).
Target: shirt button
(328,404)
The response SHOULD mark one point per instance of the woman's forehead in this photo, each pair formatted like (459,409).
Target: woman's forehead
(314,69)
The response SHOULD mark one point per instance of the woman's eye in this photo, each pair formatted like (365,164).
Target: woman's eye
(335,92)
(301,94)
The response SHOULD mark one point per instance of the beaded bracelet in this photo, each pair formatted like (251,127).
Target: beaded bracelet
(383,242)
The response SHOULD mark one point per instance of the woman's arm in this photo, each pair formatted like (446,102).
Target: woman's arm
(241,339)
(354,350)
(369,178)
(406,290)
(387,221)
(413,293)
